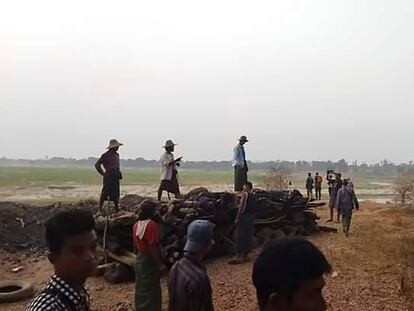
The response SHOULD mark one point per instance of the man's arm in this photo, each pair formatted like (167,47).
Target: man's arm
(98,166)
(242,207)
(156,254)
(354,197)
(339,199)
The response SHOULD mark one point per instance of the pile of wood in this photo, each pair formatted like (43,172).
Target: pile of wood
(279,214)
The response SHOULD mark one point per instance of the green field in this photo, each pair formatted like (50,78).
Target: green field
(45,176)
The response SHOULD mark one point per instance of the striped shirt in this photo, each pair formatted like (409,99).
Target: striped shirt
(60,296)
(189,287)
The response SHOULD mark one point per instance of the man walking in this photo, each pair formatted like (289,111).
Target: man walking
(188,283)
(111,174)
(318,186)
(240,164)
(72,244)
(169,180)
(337,184)
(346,201)
(309,186)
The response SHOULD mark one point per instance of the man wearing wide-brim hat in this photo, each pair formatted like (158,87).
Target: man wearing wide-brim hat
(108,167)
(240,164)
(169,180)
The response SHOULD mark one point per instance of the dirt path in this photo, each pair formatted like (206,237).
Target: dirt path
(369,266)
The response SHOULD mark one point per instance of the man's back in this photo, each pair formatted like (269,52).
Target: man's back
(309,182)
(346,198)
(189,287)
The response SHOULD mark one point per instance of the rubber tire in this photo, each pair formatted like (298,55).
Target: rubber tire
(26,291)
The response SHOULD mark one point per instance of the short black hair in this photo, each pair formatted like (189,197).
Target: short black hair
(345,182)
(146,210)
(284,264)
(309,174)
(65,224)
(248,184)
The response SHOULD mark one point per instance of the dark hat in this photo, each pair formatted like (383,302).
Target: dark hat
(243,138)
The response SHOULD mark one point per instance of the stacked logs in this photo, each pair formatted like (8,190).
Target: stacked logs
(279,214)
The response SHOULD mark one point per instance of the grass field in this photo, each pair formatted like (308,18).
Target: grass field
(44,176)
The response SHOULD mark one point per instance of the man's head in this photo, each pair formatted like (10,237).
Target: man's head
(72,243)
(242,140)
(147,210)
(169,146)
(288,276)
(338,176)
(114,145)
(345,182)
(317,174)
(199,238)
(248,186)
(309,174)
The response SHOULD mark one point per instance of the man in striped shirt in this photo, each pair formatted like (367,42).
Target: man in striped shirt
(188,283)
(72,244)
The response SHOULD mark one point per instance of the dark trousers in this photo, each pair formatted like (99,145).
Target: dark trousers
(346,220)
(240,178)
(318,192)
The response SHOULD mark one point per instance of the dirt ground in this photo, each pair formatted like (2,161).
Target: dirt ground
(374,269)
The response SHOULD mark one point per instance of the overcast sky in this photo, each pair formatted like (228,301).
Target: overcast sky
(312,80)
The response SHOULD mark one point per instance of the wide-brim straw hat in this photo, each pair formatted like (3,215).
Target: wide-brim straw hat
(243,138)
(169,143)
(113,143)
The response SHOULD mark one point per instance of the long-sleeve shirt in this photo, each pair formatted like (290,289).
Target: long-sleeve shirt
(346,199)
(109,160)
(239,156)
(167,166)
(189,287)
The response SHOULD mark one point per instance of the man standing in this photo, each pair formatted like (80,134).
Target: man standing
(346,201)
(240,164)
(72,244)
(318,186)
(337,184)
(309,186)
(188,283)
(149,260)
(111,174)
(245,225)
(289,276)
(169,180)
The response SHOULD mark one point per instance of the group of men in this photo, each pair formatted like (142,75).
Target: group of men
(108,166)
(342,197)
(288,274)
(281,283)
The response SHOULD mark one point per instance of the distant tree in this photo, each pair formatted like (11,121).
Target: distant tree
(277,178)
(404,189)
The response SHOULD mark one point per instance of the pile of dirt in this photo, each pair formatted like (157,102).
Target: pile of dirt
(22,225)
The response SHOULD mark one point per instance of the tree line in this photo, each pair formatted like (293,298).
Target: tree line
(384,167)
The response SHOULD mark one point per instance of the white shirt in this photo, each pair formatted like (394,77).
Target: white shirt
(166,170)
(238,156)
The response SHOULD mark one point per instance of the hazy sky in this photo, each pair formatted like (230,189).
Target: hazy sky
(311,80)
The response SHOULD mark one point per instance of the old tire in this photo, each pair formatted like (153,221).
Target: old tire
(12,291)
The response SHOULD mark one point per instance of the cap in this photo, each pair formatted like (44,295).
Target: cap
(198,233)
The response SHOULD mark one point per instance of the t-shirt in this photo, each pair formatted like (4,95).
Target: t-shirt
(167,170)
(150,238)
(318,181)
